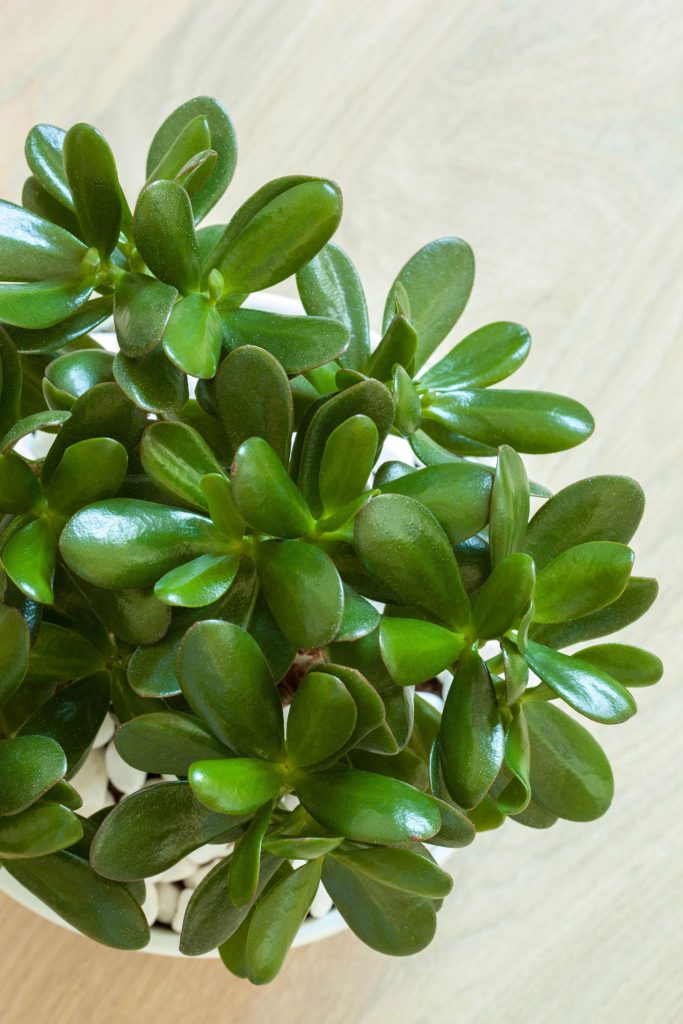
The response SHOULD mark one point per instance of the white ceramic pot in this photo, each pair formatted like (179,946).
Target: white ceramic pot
(164,942)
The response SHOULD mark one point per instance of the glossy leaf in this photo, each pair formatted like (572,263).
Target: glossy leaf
(630,666)
(226,681)
(239,785)
(471,737)
(94,183)
(165,236)
(167,743)
(246,859)
(321,719)
(69,376)
(37,304)
(414,651)
(85,319)
(176,457)
(192,339)
(276,921)
(570,775)
(29,767)
(299,343)
(437,281)
(516,793)
(62,655)
(19,488)
(398,346)
(142,307)
(400,869)
(509,505)
(529,421)
(300,847)
(637,597)
(72,718)
(584,687)
(486,356)
(370,712)
(152,829)
(152,382)
(599,508)
(360,617)
(329,286)
(194,137)
(367,807)
(152,540)
(582,580)
(402,545)
(38,830)
(29,560)
(198,583)
(246,372)
(89,470)
(33,249)
(347,461)
(457,493)
(44,155)
(504,598)
(11,373)
(303,591)
(264,493)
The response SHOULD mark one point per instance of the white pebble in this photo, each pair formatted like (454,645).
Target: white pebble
(176,873)
(183,900)
(322,904)
(209,852)
(105,732)
(123,776)
(432,698)
(199,875)
(150,908)
(169,778)
(167,897)
(91,782)
(289,802)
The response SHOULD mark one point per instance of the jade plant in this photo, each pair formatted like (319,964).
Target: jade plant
(213,548)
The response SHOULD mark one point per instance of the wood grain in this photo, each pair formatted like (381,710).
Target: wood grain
(549,136)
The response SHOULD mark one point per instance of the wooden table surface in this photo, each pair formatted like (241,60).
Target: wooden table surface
(549,136)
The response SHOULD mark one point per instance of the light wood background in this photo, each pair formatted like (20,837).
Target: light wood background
(549,135)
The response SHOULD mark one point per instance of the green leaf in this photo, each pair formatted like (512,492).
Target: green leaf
(401,544)
(198,583)
(194,137)
(36,198)
(385,919)
(10,383)
(630,666)
(29,560)
(329,286)
(72,718)
(152,382)
(637,597)
(165,236)
(88,470)
(157,538)
(97,907)
(266,496)
(84,320)
(528,421)
(597,508)
(29,767)
(300,847)
(360,617)
(322,717)
(437,282)
(585,688)
(516,794)
(407,402)
(33,249)
(303,590)
(280,237)
(142,307)
(582,580)
(535,815)
(368,398)
(44,155)
(509,505)
(218,493)
(64,793)
(570,775)
(471,736)
(505,597)
(19,488)
(39,304)
(176,457)
(367,807)
(369,707)
(69,376)
(457,493)
(484,357)
(398,346)
(167,743)
(276,921)
(239,785)
(152,829)
(38,830)
(246,860)
(192,339)
(299,343)
(61,655)
(414,651)
(456,830)
(401,869)
(347,461)
(247,372)
(92,177)
(226,681)
(515,670)
(134,616)
(222,140)
(195,172)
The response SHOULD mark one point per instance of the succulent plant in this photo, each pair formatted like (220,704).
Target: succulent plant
(198,555)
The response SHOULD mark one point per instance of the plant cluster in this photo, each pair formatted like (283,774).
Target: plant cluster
(196,557)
